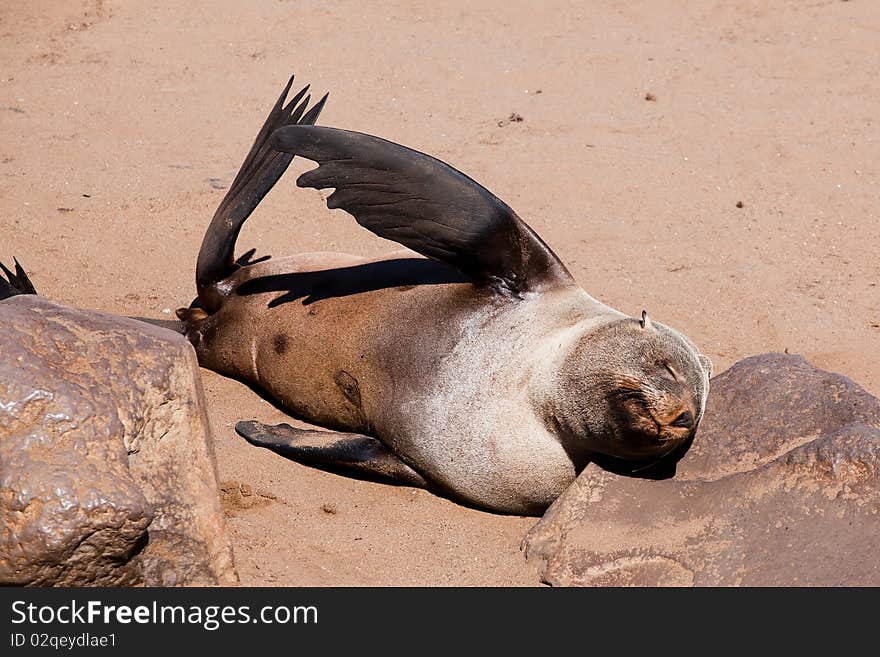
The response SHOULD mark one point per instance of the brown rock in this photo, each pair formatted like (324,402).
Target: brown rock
(764,406)
(781,487)
(107,471)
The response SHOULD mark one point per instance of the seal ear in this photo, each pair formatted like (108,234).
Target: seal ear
(707,364)
(645,321)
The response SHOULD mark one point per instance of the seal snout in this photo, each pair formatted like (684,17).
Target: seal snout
(648,420)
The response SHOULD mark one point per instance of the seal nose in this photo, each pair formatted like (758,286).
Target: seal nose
(684,420)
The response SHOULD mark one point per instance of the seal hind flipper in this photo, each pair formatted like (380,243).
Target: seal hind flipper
(426,205)
(15,283)
(259,172)
(350,452)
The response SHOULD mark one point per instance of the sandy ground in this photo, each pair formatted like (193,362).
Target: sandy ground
(119,121)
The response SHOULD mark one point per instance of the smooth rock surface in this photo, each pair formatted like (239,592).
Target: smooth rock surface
(107,470)
(780,487)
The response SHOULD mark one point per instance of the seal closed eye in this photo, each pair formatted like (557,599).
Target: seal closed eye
(484,372)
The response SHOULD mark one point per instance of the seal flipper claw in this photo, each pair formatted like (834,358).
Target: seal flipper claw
(351,453)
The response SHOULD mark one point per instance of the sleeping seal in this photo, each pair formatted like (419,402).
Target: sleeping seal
(480,370)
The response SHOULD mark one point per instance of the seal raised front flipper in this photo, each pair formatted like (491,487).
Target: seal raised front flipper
(426,205)
(351,452)
(259,172)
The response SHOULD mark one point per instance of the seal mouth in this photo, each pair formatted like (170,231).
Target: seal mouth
(649,439)
(660,457)
(654,448)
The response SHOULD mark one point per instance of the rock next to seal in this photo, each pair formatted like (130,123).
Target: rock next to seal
(107,470)
(781,488)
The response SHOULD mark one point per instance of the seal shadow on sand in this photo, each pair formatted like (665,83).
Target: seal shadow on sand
(312,286)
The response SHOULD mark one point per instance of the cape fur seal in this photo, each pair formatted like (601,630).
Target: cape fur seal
(481,371)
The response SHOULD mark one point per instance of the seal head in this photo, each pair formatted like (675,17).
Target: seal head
(630,389)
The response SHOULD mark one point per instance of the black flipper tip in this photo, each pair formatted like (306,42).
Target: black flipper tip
(280,102)
(312,115)
(262,435)
(293,101)
(24,283)
(9,275)
(294,117)
(16,282)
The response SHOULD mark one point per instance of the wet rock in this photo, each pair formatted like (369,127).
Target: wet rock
(107,471)
(781,487)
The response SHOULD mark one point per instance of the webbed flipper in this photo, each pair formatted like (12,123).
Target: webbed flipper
(259,172)
(426,205)
(350,453)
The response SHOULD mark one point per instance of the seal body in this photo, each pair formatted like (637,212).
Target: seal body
(450,377)
(471,364)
